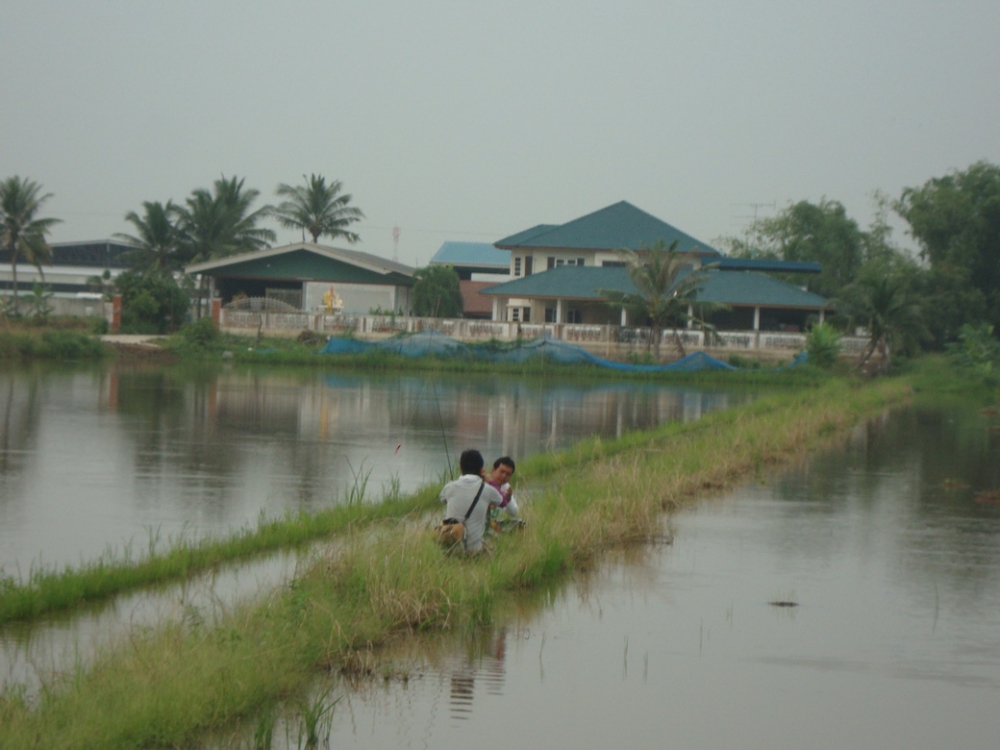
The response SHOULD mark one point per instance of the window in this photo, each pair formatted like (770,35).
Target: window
(517,266)
(579,261)
(613,263)
(552,261)
(560,262)
(526,315)
(528,265)
(515,314)
(550,315)
(574,316)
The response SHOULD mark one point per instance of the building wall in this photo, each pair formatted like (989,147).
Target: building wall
(359,299)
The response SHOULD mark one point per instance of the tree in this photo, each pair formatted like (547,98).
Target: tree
(956,220)
(152,302)
(317,208)
(22,234)
(665,288)
(157,244)
(892,318)
(220,223)
(437,293)
(821,233)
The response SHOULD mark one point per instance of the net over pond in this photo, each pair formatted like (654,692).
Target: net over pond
(437,344)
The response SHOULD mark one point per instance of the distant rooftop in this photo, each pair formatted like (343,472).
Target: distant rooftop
(87,254)
(482,254)
(620,226)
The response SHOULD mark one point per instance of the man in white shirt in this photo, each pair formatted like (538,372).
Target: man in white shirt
(460,495)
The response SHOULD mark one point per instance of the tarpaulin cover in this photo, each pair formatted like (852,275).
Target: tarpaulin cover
(438,344)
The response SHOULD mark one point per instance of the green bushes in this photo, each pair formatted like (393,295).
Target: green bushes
(152,302)
(823,345)
(52,344)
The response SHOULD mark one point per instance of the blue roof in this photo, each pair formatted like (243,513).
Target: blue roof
(725,287)
(482,254)
(620,226)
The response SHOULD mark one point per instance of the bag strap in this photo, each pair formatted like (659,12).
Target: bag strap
(476,500)
(465,536)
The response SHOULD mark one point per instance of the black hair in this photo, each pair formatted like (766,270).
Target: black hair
(506,461)
(471,462)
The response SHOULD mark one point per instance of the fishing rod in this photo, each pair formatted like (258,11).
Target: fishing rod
(413,413)
(444,437)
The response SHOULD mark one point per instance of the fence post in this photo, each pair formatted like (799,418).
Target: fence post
(217,312)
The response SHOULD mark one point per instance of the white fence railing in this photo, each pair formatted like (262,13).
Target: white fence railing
(482,330)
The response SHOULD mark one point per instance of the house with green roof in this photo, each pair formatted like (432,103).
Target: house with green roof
(301,274)
(560,271)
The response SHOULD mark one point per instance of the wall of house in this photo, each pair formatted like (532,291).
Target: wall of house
(540,259)
(359,299)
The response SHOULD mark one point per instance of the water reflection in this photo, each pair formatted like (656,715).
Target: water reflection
(895,642)
(93,458)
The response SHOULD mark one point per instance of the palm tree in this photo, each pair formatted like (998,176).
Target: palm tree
(891,316)
(157,242)
(21,234)
(665,288)
(220,223)
(318,208)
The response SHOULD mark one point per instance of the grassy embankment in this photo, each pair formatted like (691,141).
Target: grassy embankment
(165,686)
(47,590)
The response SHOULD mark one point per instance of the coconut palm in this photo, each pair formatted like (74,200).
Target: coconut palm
(318,208)
(157,240)
(21,233)
(892,318)
(665,288)
(220,223)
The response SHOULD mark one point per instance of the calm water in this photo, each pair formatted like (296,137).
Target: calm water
(93,458)
(889,550)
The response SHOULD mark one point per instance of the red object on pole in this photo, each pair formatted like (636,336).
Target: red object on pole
(116,314)
(216,311)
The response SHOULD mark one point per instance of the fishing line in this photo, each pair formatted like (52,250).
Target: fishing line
(444,437)
(413,413)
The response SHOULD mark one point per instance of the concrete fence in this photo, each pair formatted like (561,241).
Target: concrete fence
(602,339)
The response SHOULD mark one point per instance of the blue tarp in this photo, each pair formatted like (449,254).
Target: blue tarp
(438,344)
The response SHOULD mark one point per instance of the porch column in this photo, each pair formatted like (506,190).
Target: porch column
(690,320)
(624,318)
(756,327)
(822,312)
(560,310)
(496,309)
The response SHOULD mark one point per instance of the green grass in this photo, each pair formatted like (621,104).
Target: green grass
(50,344)
(163,687)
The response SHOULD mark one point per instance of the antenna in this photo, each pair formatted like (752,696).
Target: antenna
(754,238)
(395,244)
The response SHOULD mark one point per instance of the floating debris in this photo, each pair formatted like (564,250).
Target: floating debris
(783,603)
(989,497)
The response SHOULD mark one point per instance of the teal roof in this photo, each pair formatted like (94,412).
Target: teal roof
(619,226)
(741,288)
(478,254)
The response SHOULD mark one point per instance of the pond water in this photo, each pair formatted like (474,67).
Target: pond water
(112,457)
(889,548)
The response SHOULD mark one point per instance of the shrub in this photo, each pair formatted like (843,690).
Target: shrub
(823,345)
(978,350)
(152,302)
(202,333)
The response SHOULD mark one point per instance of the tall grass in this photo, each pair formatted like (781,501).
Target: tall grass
(164,686)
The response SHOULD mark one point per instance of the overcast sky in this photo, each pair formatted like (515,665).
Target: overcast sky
(474,120)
